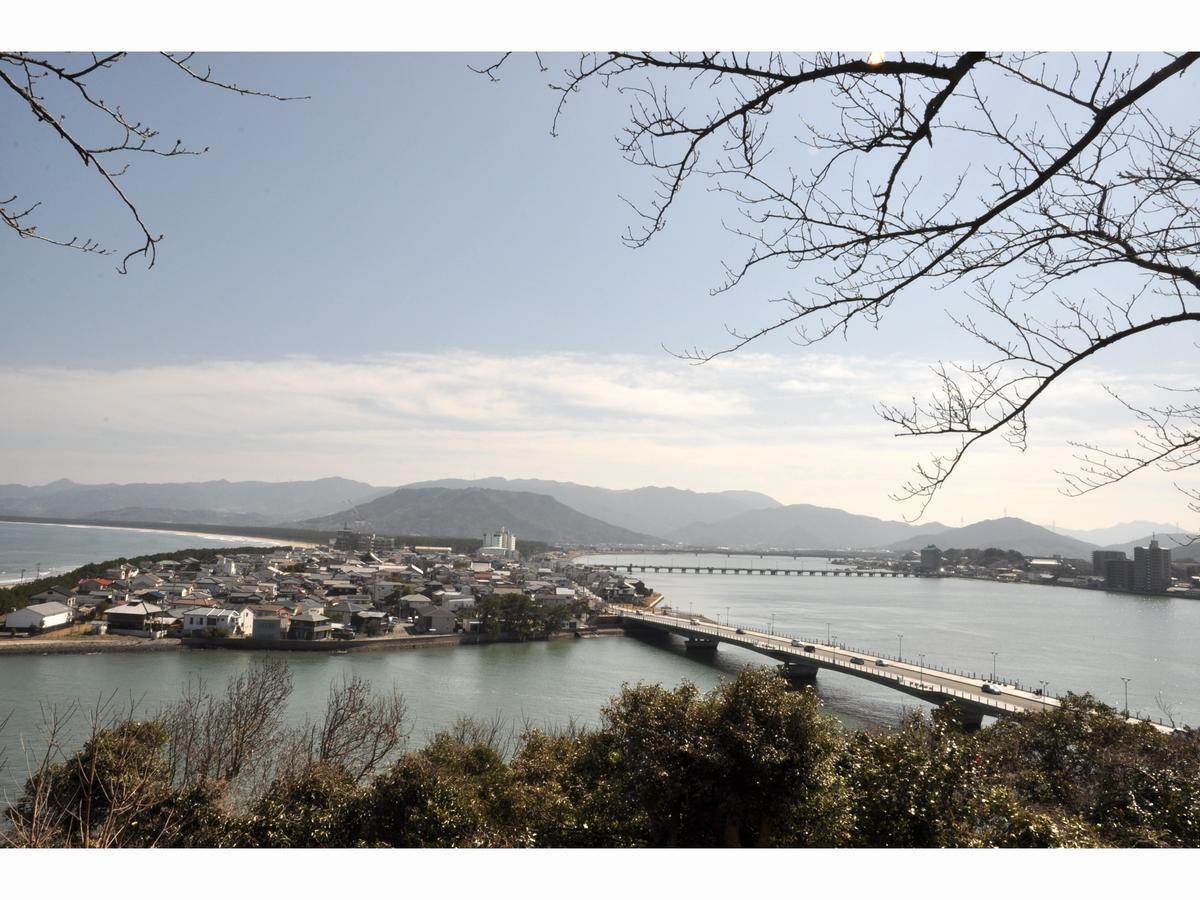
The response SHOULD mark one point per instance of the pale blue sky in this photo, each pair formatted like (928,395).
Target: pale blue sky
(414,229)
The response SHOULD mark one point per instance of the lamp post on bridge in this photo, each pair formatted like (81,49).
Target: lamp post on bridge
(727,617)
(922,655)
(900,646)
(772,632)
(994,653)
(1045,687)
(827,638)
(1126,680)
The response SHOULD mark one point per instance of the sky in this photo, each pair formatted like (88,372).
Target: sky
(406,276)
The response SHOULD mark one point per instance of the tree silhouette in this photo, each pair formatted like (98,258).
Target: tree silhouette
(58,90)
(1058,191)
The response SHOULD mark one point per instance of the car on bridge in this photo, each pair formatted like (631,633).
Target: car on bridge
(739,631)
(881,662)
(809,648)
(797,643)
(858,660)
(990,688)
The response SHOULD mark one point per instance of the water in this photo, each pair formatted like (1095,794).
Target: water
(1076,639)
(61,548)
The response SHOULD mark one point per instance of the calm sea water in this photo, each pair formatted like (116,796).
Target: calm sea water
(1075,639)
(61,548)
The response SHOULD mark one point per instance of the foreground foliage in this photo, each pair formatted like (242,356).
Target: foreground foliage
(752,763)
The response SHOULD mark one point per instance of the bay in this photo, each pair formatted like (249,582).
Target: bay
(57,548)
(1075,639)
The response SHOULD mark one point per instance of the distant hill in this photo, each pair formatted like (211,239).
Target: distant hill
(1179,543)
(469,512)
(215,502)
(798,526)
(1006,534)
(656,510)
(1118,534)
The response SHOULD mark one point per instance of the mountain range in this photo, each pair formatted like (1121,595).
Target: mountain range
(797,526)
(213,502)
(655,510)
(551,511)
(470,511)
(1121,533)
(1008,533)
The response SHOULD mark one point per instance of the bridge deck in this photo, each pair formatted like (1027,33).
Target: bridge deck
(928,683)
(762,570)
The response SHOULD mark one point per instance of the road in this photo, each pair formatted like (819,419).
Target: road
(927,682)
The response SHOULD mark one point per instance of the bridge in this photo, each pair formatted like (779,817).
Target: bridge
(764,570)
(802,659)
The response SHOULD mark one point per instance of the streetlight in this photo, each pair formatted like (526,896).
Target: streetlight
(1045,687)
(994,652)
(727,617)
(1126,680)
(900,646)
(772,624)
(922,655)
(827,639)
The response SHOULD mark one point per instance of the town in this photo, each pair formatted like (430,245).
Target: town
(1151,571)
(360,588)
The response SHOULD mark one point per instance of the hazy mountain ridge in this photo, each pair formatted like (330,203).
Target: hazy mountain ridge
(1008,533)
(655,510)
(1122,532)
(217,502)
(798,526)
(1180,543)
(469,512)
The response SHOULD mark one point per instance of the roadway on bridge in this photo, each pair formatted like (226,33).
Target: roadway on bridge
(928,683)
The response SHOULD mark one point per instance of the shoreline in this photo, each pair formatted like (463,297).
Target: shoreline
(265,542)
(122,644)
(183,531)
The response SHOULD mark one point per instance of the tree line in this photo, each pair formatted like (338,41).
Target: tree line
(750,763)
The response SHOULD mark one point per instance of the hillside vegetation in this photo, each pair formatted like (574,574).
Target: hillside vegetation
(750,764)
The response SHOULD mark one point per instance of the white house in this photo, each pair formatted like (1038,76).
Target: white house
(226,621)
(39,617)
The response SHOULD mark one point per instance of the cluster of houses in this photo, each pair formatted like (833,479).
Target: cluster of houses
(1151,571)
(313,594)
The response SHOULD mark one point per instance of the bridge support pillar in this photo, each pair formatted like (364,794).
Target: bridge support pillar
(970,719)
(799,676)
(697,646)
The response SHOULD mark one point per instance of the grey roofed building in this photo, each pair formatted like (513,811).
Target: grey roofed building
(58,593)
(310,626)
(39,616)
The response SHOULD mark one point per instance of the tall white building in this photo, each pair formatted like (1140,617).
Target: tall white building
(499,543)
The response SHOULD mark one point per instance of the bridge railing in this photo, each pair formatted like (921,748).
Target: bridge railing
(879,672)
(747,640)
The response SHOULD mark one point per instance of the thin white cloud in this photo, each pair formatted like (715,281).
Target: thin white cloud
(797,427)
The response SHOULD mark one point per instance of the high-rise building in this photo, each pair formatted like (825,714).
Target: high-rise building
(1101,558)
(1118,574)
(931,559)
(1151,568)
(499,543)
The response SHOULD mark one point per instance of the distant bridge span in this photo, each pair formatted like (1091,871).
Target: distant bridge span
(802,660)
(763,570)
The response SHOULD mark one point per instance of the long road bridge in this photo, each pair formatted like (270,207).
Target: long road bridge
(802,659)
(763,570)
